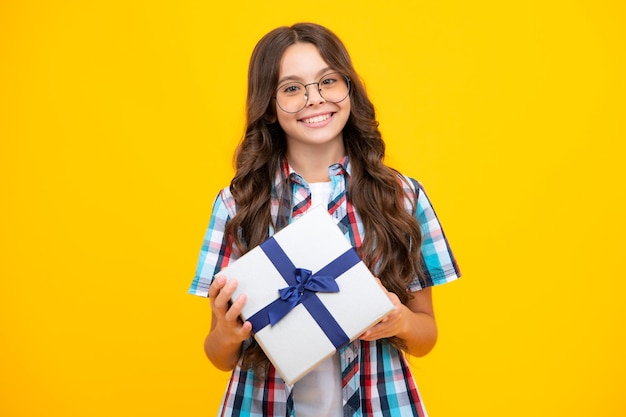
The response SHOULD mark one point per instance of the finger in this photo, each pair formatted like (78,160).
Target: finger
(215,287)
(235,309)
(246,329)
(371,335)
(222,299)
(381,330)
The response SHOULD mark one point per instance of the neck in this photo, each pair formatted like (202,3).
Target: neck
(313,163)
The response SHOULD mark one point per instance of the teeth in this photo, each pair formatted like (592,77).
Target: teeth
(317,119)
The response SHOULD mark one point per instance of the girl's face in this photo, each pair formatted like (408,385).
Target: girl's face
(320,123)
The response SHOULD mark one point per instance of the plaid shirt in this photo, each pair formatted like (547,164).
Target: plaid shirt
(376,378)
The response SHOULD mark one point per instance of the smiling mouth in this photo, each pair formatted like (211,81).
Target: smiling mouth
(317,119)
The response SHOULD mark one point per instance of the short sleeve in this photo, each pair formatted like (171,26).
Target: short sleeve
(437,261)
(215,253)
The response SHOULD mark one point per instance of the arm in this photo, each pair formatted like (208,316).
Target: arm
(223,343)
(414,323)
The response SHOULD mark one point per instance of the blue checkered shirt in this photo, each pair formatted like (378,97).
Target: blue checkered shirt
(376,378)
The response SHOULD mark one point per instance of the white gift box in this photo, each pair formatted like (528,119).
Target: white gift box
(321,322)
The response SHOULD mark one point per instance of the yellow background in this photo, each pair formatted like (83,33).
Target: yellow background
(117,124)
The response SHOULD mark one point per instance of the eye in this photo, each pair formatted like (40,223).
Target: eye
(329,80)
(290,89)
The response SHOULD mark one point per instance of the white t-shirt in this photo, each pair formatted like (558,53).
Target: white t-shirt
(318,393)
(320,193)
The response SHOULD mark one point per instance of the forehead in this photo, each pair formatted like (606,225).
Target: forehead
(301,61)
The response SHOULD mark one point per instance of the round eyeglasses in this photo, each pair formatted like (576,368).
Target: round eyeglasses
(292,96)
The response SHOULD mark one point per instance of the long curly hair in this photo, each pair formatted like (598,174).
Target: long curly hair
(392,240)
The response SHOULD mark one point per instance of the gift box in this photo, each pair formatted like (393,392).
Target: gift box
(308,293)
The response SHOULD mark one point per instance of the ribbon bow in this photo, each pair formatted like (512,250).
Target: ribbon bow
(291,296)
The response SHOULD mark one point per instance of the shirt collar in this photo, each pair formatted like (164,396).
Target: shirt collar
(339,168)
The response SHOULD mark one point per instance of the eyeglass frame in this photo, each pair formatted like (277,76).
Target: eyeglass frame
(319,90)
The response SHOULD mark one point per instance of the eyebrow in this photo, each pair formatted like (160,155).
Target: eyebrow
(320,74)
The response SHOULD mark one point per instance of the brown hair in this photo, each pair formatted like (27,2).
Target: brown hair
(392,240)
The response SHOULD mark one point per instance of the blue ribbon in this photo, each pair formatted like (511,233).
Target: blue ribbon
(302,289)
(292,296)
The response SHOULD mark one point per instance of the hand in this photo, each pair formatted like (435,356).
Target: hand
(390,325)
(226,316)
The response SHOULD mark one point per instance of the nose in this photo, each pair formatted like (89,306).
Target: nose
(316,96)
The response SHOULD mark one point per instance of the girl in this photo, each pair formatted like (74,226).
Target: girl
(312,137)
